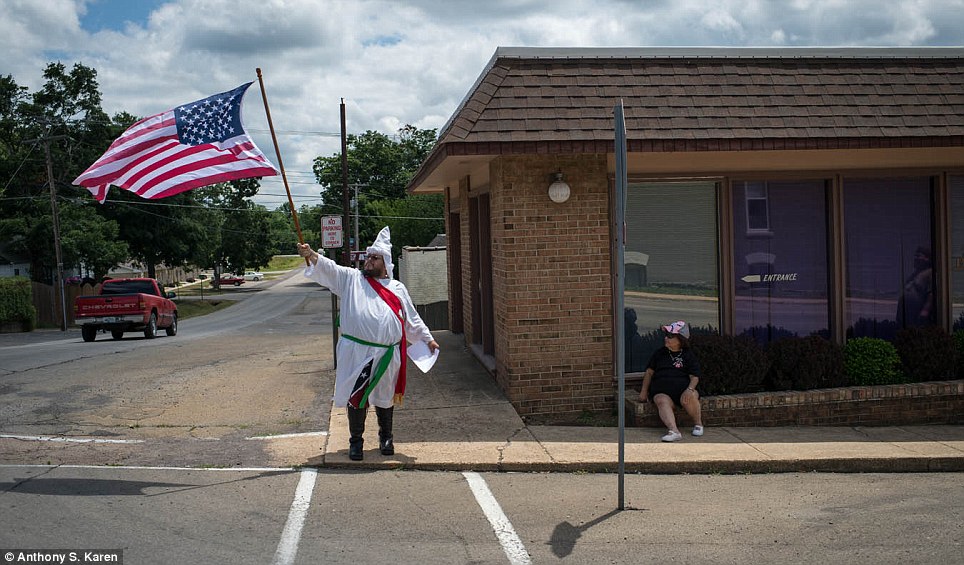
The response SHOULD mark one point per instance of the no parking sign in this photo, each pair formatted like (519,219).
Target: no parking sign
(331,232)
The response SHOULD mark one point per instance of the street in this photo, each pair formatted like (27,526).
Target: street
(197,449)
(162,516)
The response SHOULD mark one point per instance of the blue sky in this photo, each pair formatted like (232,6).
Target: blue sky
(396,62)
(114,14)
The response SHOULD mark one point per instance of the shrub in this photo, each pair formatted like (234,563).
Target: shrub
(16,303)
(872,361)
(767,334)
(958,337)
(869,327)
(804,363)
(926,353)
(729,364)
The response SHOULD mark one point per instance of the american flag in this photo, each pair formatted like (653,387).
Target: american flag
(193,145)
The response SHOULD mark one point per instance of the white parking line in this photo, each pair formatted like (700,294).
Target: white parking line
(511,544)
(65,439)
(291,535)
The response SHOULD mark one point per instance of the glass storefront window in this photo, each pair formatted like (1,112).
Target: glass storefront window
(889,241)
(780,259)
(671,264)
(956,189)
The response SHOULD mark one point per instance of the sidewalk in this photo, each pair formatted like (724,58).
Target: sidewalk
(456,418)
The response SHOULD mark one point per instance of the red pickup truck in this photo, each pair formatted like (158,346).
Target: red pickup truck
(126,305)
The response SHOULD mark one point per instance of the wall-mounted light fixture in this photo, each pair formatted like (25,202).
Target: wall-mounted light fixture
(559,189)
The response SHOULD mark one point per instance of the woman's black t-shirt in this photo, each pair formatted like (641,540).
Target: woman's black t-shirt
(663,365)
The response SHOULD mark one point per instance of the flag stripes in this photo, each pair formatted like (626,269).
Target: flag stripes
(153,158)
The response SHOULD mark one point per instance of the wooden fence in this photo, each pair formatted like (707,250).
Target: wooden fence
(46,300)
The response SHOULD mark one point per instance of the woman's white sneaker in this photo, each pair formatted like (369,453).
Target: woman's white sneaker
(672,436)
(697,431)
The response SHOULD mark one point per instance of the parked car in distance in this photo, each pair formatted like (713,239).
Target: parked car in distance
(253,276)
(76,279)
(231,279)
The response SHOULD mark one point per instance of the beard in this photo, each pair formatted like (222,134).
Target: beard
(373,273)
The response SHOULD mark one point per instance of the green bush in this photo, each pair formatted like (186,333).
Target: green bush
(729,364)
(958,337)
(804,363)
(926,353)
(16,303)
(872,361)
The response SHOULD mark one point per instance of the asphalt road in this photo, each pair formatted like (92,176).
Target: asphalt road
(259,368)
(180,450)
(164,516)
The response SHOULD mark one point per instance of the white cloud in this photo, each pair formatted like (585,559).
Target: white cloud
(403,62)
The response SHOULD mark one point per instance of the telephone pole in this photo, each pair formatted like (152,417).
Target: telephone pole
(55,216)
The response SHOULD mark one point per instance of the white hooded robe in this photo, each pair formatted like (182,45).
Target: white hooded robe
(366,316)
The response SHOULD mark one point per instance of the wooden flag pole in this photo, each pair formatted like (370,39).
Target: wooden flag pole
(277,150)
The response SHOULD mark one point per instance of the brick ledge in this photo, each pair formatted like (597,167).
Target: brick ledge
(936,402)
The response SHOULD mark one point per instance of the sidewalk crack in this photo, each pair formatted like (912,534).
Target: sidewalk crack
(506,445)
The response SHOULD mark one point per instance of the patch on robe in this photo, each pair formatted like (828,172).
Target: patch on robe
(358,398)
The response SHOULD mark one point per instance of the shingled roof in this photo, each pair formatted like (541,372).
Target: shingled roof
(534,100)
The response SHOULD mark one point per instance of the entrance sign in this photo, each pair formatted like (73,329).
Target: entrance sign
(331,232)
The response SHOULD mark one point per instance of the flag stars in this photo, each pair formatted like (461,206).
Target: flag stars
(210,120)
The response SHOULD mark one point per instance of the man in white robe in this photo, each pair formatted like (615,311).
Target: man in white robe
(369,351)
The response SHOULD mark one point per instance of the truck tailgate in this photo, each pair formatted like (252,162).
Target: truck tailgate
(112,305)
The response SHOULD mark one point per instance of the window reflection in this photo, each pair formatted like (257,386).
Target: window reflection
(671,264)
(781,271)
(889,241)
(956,188)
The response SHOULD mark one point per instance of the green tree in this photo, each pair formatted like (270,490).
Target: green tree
(242,228)
(382,167)
(66,108)
(167,232)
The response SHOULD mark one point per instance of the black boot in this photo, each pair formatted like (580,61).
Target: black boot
(356,429)
(385,443)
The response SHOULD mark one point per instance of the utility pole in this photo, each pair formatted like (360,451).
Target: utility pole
(355,206)
(55,216)
(344,180)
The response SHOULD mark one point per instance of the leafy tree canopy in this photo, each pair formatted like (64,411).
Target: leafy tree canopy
(381,167)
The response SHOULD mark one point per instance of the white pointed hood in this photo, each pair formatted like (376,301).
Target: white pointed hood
(383,247)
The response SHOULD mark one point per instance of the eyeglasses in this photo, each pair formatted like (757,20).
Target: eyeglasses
(374,258)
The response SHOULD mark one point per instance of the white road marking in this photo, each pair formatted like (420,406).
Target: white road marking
(291,535)
(65,439)
(135,468)
(511,544)
(285,436)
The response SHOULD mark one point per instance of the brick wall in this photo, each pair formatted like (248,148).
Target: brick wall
(883,405)
(552,284)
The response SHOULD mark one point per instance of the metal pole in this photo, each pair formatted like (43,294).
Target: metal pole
(344,181)
(356,220)
(621,182)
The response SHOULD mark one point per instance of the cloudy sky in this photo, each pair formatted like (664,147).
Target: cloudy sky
(396,62)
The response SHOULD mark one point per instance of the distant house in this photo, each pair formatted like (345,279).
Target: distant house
(13,265)
(772,192)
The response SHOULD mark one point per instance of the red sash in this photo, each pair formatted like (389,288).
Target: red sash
(395,304)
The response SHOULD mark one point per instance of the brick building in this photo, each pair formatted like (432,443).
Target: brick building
(772,192)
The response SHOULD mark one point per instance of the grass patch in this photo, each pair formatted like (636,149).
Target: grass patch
(284,263)
(192,308)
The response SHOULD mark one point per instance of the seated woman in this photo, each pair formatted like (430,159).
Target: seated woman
(671,378)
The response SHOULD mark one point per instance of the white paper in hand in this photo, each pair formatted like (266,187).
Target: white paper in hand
(419,353)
